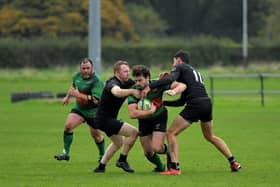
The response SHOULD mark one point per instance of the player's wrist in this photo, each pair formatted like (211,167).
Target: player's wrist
(89,97)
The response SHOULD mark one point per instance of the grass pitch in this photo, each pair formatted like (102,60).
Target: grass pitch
(31,133)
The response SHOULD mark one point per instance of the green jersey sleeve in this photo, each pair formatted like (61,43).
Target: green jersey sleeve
(97,89)
(74,77)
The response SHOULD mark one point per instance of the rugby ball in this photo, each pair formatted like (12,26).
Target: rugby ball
(143,104)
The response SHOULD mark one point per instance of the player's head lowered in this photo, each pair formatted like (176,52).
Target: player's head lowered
(141,75)
(86,68)
(121,70)
(180,57)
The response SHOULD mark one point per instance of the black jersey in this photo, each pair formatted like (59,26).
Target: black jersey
(110,105)
(186,74)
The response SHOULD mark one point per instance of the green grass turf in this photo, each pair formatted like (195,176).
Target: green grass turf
(31,133)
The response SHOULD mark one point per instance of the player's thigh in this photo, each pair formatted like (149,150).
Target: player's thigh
(158,139)
(73,120)
(178,125)
(128,130)
(146,142)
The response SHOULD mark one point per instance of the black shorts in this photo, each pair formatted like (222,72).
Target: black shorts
(148,126)
(198,109)
(110,126)
(89,121)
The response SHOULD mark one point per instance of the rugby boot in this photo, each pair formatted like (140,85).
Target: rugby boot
(100,168)
(62,156)
(125,166)
(171,171)
(235,166)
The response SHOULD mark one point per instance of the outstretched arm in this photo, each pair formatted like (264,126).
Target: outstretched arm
(176,87)
(118,92)
(165,79)
(67,97)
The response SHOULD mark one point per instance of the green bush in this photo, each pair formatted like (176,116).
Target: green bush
(205,51)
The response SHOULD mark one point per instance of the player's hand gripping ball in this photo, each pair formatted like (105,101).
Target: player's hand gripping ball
(81,101)
(144,104)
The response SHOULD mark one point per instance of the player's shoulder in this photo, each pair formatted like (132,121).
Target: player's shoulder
(111,80)
(94,74)
(178,67)
(130,82)
(153,80)
(76,75)
(97,76)
(183,68)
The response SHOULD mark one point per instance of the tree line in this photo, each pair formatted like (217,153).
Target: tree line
(136,19)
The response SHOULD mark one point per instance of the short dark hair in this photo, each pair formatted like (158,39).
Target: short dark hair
(140,70)
(86,60)
(184,55)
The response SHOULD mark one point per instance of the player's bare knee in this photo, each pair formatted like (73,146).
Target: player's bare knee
(134,133)
(209,138)
(118,144)
(170,134)
(158,148)
(97,137)
(68,127)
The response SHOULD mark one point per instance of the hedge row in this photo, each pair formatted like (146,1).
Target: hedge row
(46,53)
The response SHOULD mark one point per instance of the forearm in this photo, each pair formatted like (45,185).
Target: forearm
(164,81)
(118,92)
(88,98)
(136,113)
(178,87)
(140,114)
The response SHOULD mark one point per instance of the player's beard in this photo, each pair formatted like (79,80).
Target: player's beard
(142,88)
(86,76)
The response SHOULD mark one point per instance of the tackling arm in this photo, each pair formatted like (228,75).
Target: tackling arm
(118,92)
(176,87)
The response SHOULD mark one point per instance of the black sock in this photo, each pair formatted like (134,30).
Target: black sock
(122,158)
(175,165)
(231,159)
(165,149)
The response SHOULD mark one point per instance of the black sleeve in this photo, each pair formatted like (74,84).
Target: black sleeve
(131,83)
(161,82)
(168,79)
(178,102)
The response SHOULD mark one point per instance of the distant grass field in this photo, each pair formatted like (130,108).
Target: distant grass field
(31,133)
